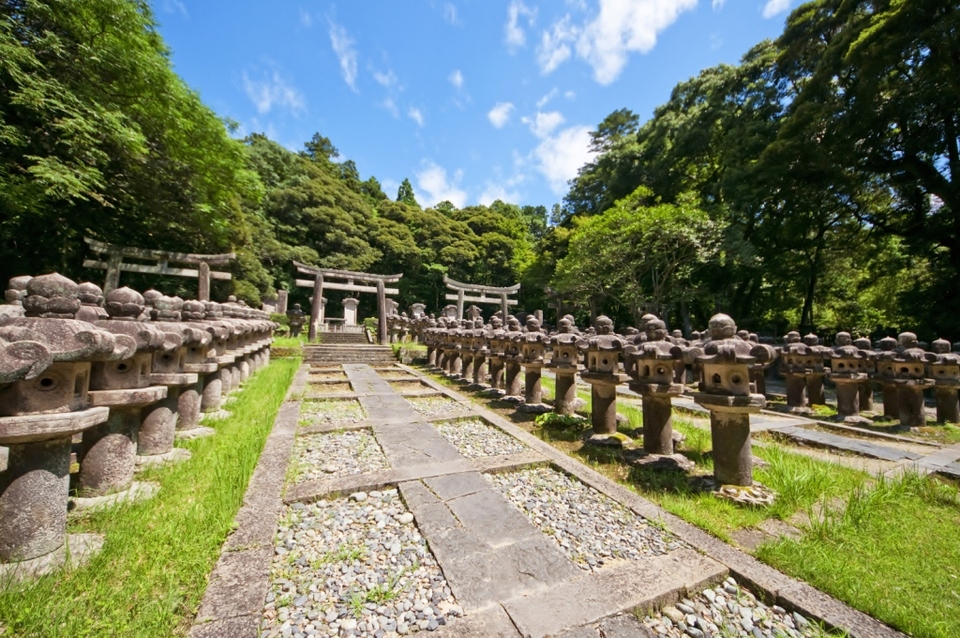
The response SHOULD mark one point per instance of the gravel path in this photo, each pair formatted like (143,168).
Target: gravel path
(403,386)
(474,438)
(331,411)
(394,373)
(437,406)
(590,527)
(330,387)
(318,456)
(356,566)
(731,612)
(328,376)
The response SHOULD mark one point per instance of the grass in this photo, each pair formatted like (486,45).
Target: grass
(152,572)
(892,552)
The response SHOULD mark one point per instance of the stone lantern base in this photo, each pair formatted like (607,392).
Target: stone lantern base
(603,394)
(75,552)
(730,433)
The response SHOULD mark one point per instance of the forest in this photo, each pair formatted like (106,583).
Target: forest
(810,187)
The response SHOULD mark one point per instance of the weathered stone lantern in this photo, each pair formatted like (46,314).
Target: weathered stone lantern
(200,359)
(870,367)
(727,392)
(493,338)
(480,352)
(533,344)
(602,372)
(945,372)
(848,365)
(108,451)
(297,320)
(650,365)
(465,341)
(91,303)
(158,429)
(802,362)
(512,357)
(14,295)
(886,375)
(565,363)
(911,380)
(44,374)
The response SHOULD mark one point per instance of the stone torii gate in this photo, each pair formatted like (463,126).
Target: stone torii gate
(321,280)
(115,264)
(497,295)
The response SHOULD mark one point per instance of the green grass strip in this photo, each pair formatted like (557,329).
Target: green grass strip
(891,552)
(152,572)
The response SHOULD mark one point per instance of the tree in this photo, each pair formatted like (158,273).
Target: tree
(320,149)
(405,193)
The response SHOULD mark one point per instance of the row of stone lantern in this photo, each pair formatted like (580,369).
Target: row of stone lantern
(652,362)
(127,372)
(900,367)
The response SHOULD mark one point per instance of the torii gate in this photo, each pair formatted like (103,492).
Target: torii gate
(115,264)
(501,295)
(318,283)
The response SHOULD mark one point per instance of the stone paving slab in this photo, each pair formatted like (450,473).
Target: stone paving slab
(857,446)
(643,585)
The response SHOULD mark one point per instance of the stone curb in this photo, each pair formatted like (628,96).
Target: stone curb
(310,491)
(237,587)
(771,584)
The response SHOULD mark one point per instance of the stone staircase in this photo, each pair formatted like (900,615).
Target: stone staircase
(331,353)
(341,338)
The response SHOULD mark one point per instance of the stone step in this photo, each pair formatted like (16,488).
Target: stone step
(847,444)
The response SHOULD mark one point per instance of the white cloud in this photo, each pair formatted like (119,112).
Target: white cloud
(493,192)
(434,186)
(306,20)
(343,46)
(560,156)
(570,95)
(542,124)
(624,26)
(175,6)
(456,78)
(391,105)
(416,115)
(272,90)
(450,14)
(385,80)
(718,4)
(554,46)
(546,98)
(773,7)
(514,34)
(499,115)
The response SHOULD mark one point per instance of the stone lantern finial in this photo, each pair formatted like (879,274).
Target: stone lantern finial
(124,304)
(51,296)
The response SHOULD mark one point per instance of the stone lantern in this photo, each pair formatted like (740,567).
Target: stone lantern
(108,451)
(886,374)
(465,341)
(91,303)
(429,339)
(297,320)
(848,366)
(452,348)
(533,344)
(870,367)
(493,337)
(14,295)
(158,429)
(602,372)
(911,380)
(44,375)
(945,372)
(565,363)
(727,392)
(480,352)
(511,360)
(801,360)
(200,359)
(653,378)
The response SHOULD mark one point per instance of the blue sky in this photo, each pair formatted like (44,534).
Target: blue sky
(472,100)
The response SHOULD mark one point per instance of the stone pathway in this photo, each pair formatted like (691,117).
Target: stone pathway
(466,525)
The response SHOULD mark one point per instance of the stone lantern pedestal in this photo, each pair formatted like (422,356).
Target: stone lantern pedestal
(911,363)
(481,352)
(466,356)
(886,374)
(848,365)
(493,339)
(730,432)
(870,368)
(650,364)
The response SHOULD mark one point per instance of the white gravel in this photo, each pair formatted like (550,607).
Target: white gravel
(732,612)
(318,456)
(590,527)
(354,567)
(331,411)
(474,438)
(437,406)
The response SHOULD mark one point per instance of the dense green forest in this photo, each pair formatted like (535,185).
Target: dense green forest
(810,186)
